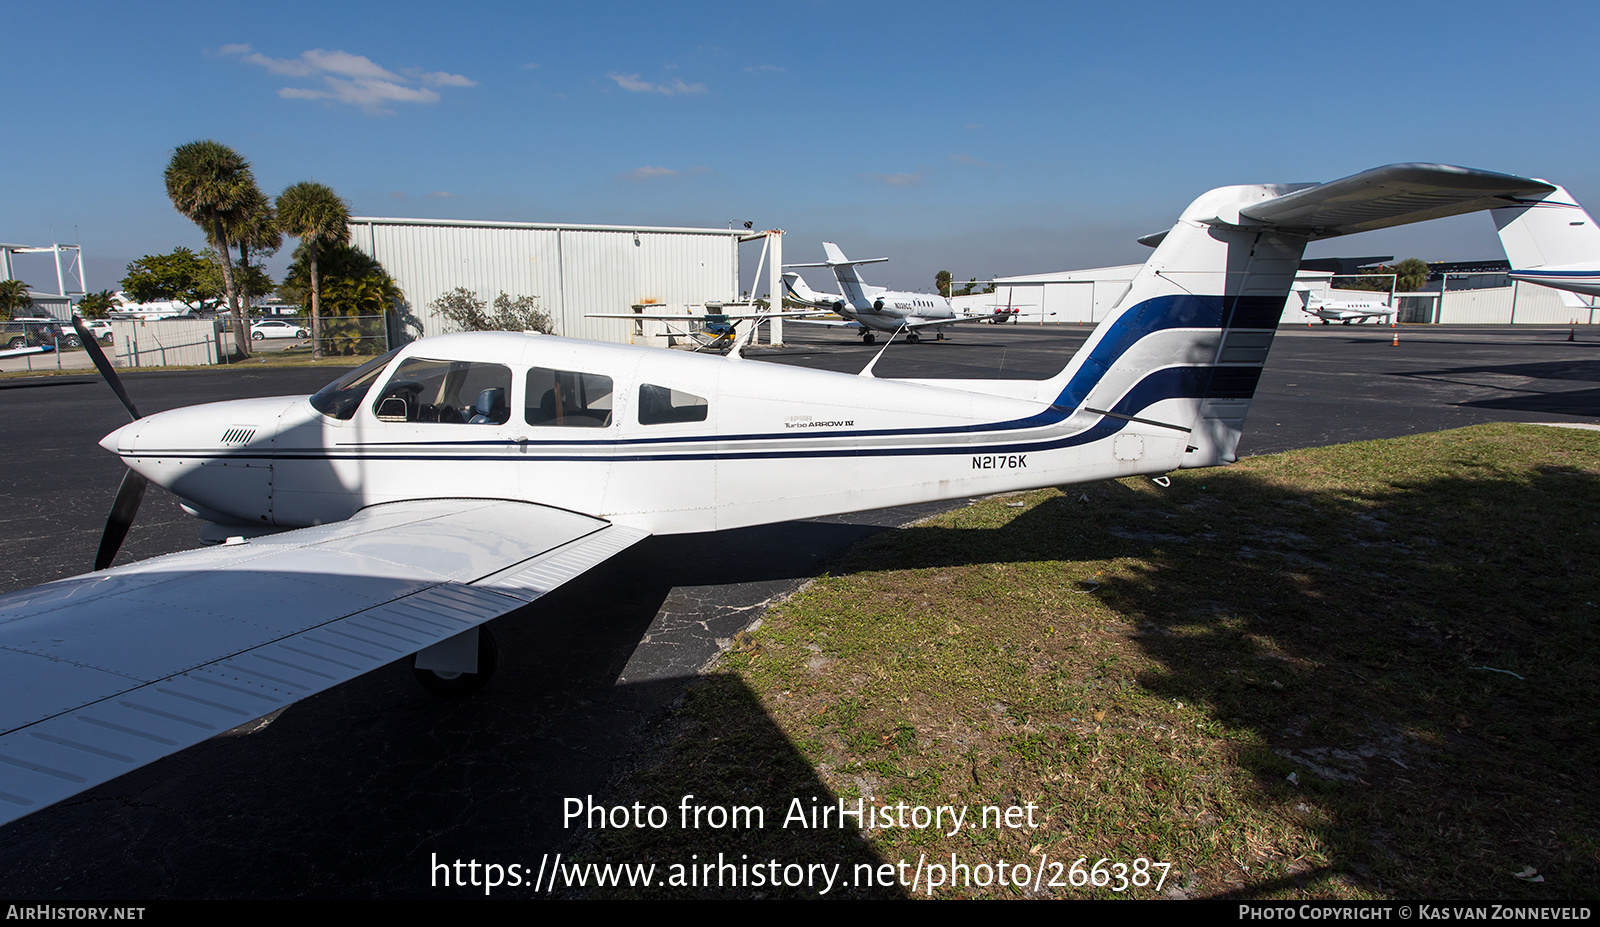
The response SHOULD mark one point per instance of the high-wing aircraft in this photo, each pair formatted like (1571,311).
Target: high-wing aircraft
(1551,240)
(458,478)
(871,309)
(996,314)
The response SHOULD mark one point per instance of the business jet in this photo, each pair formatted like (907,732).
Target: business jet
(872,309)
(1552,241)
(1346,310)
(459,478)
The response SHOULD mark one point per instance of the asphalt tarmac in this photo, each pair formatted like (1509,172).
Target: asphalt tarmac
(355,793)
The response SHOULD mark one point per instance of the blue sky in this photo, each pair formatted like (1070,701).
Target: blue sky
(1021,138)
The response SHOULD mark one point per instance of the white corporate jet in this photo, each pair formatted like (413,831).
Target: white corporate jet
(871,309)
(1551,240)
(1347,309)
(461,477)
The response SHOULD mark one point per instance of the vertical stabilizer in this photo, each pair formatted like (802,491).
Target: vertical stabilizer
(1186,345)
(1551,240)
(844,271)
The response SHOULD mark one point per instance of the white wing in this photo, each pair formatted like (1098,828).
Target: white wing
(106,672)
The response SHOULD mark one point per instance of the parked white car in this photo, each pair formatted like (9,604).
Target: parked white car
(275,328)
(100,329)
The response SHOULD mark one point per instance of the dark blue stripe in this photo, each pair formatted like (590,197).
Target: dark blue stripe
(1152,315)
(1163,312)
(1168,383)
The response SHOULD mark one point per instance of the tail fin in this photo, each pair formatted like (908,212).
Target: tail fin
(1186,346)
(844,270)
(1551,240)
(800,292)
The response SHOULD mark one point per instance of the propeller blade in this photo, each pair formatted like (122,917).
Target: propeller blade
(104,366)
(129,495)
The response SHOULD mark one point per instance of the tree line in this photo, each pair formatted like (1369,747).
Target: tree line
(214,187)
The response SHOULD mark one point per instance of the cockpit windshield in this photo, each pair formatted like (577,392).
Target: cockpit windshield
(341,398)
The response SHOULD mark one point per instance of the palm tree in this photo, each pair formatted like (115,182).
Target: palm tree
(253,228)
(98,305)
(13,296)
(211,184)
(313,213)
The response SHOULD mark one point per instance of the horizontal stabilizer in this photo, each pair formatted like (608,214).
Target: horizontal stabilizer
(1388,196)
(839,263)
(836,258)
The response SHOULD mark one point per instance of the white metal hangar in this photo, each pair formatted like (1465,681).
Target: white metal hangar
(572,270)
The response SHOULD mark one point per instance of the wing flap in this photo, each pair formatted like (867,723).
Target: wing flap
(1392,195)
(115,670)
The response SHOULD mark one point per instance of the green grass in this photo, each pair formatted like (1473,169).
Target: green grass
(1365,671)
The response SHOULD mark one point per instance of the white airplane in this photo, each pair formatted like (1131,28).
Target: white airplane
(871,309)
(461,477)
(997,314)
(23,352)
(1551,240)
(717,327)
(1347,310)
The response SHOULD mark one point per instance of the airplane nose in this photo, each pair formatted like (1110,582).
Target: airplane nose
(119,439)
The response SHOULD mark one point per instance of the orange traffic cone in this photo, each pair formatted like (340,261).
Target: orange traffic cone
(1396,342)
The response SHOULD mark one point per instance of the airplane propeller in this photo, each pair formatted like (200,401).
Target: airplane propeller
(131,492)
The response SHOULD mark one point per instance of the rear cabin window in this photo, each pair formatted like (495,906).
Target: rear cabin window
(568,399)
(663,405)
(446,392)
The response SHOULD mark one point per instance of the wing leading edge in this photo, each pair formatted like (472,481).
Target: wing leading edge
(117,669)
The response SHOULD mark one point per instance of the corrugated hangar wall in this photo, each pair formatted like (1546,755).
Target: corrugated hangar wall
(572,270)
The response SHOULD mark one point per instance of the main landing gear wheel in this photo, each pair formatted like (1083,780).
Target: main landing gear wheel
(868,338)
(941,336)
(461,685)
(913,337)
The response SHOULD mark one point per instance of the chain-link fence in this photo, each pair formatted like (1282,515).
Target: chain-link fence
(353,335)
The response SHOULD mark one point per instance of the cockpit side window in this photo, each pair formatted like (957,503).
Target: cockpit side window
(662,405)
(341,398)
(567,398)
(447,392)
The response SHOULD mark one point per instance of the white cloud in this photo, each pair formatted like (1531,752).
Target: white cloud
(342,62)
(650,173)
(675,86)
(962,157)
(443,79)
(352,79)
(896,180)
